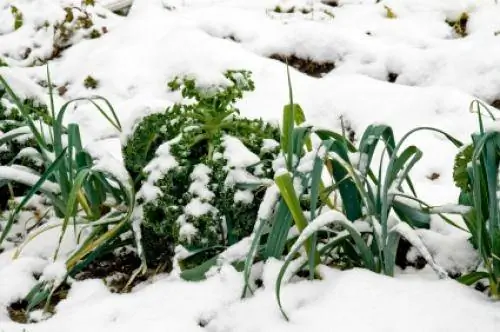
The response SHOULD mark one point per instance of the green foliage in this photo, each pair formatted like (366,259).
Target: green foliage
(20,150)
(460,25)
(389,13)
(460,168)
(77,21)
(148,135)
(18,17)
(94,34)
(477,177)
(213,109)
(198,205)
(100,199)
(375,210)
(90,83)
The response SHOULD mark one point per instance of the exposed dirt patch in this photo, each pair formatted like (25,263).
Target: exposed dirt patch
(232,38)
(18,311)
(62,90)
(306,66)
(392,77)
(331,3)
(292,10)
(402,259)
(116,270)
(347,129)
(496,103)
(433,176)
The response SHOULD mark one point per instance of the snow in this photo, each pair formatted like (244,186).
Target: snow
(438,75)
(23,176)
(201,179)
(321,221)
(339,299)
(451,251)
(197,208)
(55,272)
(243,196)
(237,154)
(358,300)
(17,278)
(187,231)
(269,201)
(412,236)
(160,165)
(269,145)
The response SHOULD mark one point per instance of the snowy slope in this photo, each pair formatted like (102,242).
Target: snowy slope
(438,75)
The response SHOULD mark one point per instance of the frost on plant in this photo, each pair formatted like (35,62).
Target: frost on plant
(201,170)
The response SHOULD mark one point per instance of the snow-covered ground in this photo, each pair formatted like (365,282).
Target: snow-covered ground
(438,75)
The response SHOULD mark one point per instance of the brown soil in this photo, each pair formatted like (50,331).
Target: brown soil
(392,77)
(306,66)
(118,269)
(331,3)
(401,259)
(433,176)
(232,38)
(496,103)
(18,310)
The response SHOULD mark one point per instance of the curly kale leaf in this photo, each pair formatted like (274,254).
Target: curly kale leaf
(188,196)
(460,171)
(12,118)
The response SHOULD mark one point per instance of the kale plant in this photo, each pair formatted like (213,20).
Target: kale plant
(202,170)
(22,150)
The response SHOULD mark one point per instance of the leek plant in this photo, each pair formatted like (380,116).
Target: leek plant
(476,173)
(340,208)
(82,192)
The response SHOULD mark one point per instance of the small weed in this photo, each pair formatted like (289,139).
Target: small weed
(90,83)
(18,17)
(76,20)
(94,34)
(389,13)
(460,26)
(279,9)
